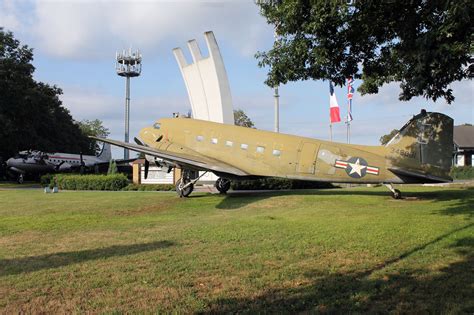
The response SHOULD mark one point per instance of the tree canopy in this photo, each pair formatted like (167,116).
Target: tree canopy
(31,113)
(386,138)
(241,119)
(424,45)
(94,128)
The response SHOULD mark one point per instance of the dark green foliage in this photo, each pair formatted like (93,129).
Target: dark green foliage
(462,172)
(45,180)
(91,182)
(31,114)
(277,184)
(96,129)
(386,138)
(112,168)
(425,45)
(150,187)
(241,119)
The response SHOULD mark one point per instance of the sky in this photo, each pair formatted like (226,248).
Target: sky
(75,43)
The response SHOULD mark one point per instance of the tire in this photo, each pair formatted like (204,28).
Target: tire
(397,194)
(20,179)
(184,192)
(222,185)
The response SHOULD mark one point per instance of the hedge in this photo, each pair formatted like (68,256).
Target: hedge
(86,182)
(462,172)
(277,184)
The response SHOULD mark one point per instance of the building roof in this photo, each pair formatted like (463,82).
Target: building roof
(139,161)
(464,136)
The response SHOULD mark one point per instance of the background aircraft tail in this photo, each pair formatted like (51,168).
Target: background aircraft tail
(423,149)
(106,153)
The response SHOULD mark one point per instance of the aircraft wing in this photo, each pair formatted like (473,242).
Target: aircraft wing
(195,161)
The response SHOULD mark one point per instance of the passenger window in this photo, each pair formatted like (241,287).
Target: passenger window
(244,146)
(199,138)
(229,143)
(276,152)
(214,141)
(260,149)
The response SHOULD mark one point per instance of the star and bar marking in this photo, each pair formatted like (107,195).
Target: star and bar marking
(357,167)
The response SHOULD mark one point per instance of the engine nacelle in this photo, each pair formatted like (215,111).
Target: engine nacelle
(158,162)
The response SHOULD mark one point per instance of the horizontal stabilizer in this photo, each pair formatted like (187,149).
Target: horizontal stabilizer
(414,177)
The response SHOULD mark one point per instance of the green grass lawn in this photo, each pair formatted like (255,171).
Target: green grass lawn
(345,250)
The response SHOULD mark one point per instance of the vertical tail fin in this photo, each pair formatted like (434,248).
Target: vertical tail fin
(106,153)
(424,145)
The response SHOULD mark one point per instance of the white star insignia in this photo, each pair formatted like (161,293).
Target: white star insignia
(357,168)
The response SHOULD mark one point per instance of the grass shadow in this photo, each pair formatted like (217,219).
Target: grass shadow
(49,261)
(464,197)
(415,291)
(238,199)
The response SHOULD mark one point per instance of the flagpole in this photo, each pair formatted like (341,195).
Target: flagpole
(347,130)
(330,131)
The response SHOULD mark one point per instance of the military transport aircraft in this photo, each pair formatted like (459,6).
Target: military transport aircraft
(420,153)
(37,162)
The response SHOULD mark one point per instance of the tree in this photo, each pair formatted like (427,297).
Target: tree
(386,138)
(31,113)
(241,119)
(112,170)
(424,45)
(94,128)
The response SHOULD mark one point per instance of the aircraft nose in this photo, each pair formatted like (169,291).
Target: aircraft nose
(11,162)
(149,135)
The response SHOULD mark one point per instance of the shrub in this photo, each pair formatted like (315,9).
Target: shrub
(151,187)
(45,180)
(272,183)
(92,182)
(462,172)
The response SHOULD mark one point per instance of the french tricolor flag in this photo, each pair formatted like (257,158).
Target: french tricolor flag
(333,105)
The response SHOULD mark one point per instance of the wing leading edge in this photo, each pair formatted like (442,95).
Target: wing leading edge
(196,161)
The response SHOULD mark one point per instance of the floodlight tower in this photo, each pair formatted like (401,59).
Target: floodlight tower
(128,64)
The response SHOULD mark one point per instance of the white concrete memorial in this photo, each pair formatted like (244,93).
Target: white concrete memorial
(206,82)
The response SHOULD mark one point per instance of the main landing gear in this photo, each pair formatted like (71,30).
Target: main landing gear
(20,179)
(185,185)
(222,185)
(396,194)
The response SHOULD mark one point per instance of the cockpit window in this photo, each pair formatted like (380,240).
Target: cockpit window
(157,125)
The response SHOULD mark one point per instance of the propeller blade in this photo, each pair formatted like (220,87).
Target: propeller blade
(137,141)
(147,165)
(82,168)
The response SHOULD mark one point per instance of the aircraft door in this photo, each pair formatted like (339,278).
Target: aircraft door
(307,158)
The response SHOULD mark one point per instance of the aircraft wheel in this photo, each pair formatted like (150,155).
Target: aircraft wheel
(397,194)
(20,179)
(186,191)
(222,185)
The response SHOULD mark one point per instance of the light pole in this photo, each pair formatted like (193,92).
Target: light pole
(275,95)
(128,65)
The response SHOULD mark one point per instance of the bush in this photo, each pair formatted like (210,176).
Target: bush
(91,182)
(45,180)
(152,187)
(462,172)
(277,184)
